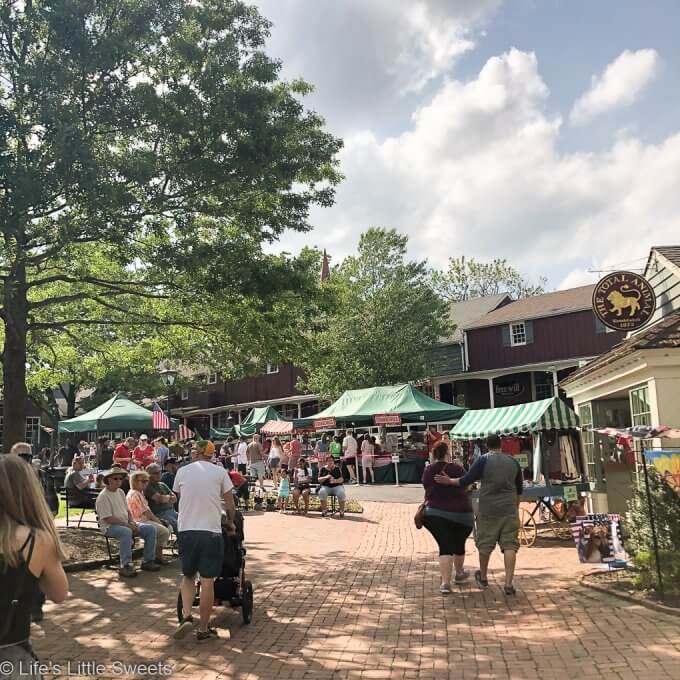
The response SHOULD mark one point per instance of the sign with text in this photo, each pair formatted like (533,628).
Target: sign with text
(570,493)
(387,419)
(624,301)
(395,458)
(508,389)
(523,460)
(325,424)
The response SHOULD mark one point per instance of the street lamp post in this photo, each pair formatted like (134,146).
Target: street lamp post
(168,377)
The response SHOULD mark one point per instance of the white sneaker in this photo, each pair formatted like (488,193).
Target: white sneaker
(445,589)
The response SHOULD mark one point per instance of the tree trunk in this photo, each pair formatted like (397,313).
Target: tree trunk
(71,401)
(14,357)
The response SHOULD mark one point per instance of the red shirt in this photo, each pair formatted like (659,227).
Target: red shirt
(121,451)
(143,457)
(236,478)
(296,447)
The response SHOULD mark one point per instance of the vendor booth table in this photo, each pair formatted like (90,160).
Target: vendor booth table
(553,478)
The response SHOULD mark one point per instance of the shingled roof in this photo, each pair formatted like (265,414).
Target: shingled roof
(664,334)
(671,253)
(462,313)
(538,306)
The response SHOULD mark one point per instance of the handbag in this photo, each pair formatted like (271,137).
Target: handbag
(419,517)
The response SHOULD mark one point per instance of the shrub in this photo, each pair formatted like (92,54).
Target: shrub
(666,504)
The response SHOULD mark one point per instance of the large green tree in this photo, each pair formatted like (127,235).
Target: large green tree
(159,131)
(467,278)
(383,319)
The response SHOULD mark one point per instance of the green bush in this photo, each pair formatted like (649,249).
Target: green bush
(666,504)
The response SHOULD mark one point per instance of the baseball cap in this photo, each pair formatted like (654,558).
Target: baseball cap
(204,446)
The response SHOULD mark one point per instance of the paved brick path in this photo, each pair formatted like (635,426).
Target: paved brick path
(358,598)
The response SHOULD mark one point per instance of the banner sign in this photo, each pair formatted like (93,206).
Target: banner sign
(325,424)
(387,419)
(624,301)
(523,460)
(570,493)
(667,463)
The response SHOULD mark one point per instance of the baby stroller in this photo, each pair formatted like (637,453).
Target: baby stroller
(231,587)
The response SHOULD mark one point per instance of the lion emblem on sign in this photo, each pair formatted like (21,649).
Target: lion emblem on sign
(621,302)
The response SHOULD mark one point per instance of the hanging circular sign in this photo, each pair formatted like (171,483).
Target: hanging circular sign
(624,301)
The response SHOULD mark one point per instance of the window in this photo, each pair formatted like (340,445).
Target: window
(427,389)
(289,411)
(544,391)
(272,368)
(32,429)
(185,393)
(601,328)
(518,334)
(641,414)
(585,413)
(212,378)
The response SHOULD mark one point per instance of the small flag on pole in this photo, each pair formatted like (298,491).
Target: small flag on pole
(159,421)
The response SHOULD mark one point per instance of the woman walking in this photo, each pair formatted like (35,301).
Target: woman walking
(367,454)
(275,456)
(30,562)
(448,515)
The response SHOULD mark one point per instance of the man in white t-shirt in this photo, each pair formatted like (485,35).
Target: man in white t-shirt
(242,455)
(349,451)
(201,487)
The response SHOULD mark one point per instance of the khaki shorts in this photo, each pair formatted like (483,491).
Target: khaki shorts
(501,530)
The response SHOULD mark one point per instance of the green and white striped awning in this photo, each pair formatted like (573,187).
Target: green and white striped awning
(547,414)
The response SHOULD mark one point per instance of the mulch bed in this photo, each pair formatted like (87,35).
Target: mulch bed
(84,545)
(622,582)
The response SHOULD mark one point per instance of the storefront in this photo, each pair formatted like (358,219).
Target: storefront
(637,383)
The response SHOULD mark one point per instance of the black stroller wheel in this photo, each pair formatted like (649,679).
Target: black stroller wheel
(180,608)
(247,602)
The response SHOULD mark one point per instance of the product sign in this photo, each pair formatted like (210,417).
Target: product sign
(395,458)
(624,301)
(325,424)
(387,419)
(570,493)
(523,460)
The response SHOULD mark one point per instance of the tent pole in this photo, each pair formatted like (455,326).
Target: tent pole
(652,524)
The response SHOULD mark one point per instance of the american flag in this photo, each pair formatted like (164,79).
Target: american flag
(184,433)
(159,421)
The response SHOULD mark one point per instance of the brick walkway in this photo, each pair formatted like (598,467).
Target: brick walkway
(358,598)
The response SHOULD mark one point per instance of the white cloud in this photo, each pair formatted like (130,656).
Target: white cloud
(367,59)
(480,172)
(618,86)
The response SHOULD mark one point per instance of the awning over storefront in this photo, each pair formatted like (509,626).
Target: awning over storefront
(359,406)
(547,414)
(251,424)
(277,428)
(118,414)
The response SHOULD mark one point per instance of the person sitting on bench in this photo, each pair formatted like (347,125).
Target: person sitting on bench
(332,484)
(77,484)
(161,499)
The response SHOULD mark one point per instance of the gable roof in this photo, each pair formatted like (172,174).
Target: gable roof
(466,311)
(669,253)
(664,334)
(538,306)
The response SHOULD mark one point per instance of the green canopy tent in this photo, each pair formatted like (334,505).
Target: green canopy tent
(118,414)
(250,425)
(531,418)
(359,406)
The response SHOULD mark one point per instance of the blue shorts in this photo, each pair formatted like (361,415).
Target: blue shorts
(201,552)
(337,491)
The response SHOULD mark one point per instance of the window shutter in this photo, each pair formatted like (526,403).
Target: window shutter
(599,327)
(529,330)
(506,336)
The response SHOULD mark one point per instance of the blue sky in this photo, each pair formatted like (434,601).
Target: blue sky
(543,131)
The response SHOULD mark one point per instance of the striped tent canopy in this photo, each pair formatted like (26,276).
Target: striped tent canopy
(546,414)
(277,427)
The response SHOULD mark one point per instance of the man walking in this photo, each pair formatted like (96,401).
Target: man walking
(349,450)
(201,487)
(498,518)
(256,459)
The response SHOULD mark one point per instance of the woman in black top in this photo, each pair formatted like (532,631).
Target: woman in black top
(30,561)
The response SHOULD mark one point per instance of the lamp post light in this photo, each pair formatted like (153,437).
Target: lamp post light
(168,377)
